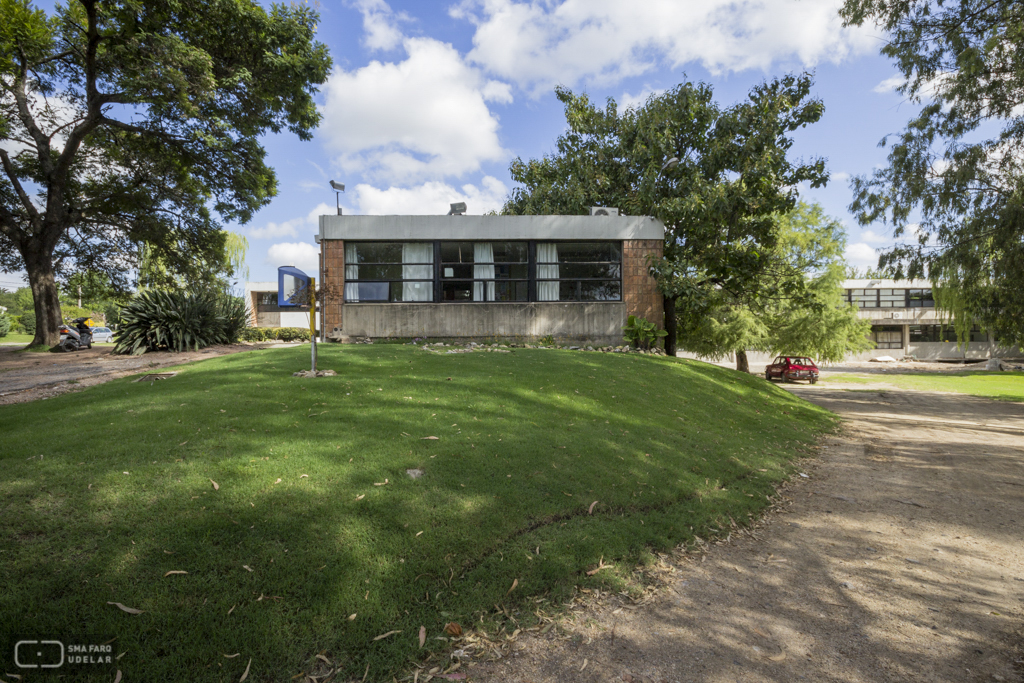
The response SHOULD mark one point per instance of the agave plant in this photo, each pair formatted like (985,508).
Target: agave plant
(178,321)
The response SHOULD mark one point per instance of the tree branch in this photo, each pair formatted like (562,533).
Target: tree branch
(22,195)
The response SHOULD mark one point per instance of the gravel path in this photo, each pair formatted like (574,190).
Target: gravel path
(899,558)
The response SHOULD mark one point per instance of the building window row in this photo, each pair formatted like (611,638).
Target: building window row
(944,333)
(505,271)
(890,298)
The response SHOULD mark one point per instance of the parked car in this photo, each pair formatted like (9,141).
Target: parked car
(102,334)
(790,368)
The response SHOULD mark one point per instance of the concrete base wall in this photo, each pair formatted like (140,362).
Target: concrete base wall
(596,323)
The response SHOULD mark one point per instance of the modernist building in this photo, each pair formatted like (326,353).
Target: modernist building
(570,277)
(905,322)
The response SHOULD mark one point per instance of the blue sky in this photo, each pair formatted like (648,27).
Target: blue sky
(430,100)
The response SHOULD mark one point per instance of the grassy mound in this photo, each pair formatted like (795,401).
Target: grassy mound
(314,538)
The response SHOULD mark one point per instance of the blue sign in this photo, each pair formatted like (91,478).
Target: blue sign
(292,287)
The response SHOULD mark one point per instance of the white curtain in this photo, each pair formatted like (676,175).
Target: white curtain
(547,267)
(351,273)
(483,253)
(421,253)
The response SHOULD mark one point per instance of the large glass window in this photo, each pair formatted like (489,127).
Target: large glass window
(892,298)
(863,298)
(932,333)
(887,336)
(920,298)
(389,271)
(579,271)
(485,271)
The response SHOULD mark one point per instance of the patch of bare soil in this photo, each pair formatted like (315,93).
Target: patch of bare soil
(899,558)
(32,376)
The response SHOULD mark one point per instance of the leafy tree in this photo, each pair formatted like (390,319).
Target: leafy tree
(798,308)
(138,123)
(716,177)
(956,169)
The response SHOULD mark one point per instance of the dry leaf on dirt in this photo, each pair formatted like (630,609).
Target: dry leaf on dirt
(174,571)
(129,610)
(385,635)
(591,510)
(216,486)
(585,662)
(515,582)
(423,635)
(453,629)
(778,658)
(245,674)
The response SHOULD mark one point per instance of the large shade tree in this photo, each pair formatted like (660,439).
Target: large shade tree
(716,177)
(126,123)
(798,309)
(954,182)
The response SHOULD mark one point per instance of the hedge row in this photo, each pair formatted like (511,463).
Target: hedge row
(260,334)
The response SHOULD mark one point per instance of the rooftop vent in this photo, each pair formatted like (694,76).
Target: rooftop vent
(603,211)
(458,208)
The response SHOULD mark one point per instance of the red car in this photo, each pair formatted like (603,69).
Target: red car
(789,368)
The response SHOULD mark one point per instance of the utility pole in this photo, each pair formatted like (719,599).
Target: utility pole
(79,296)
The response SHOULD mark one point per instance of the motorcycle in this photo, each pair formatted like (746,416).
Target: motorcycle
(77,337)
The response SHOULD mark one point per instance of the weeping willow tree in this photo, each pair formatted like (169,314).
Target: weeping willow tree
(214,271)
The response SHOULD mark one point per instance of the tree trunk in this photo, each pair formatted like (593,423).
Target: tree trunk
(670,326)
(42,281)
(741,361)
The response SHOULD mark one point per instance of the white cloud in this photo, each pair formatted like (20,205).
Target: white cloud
(839,176)
(302,255)
(638,100)
(861,255)
(380,25)
(539,43)
(422,118)
(890,84)
(872,237)
(291,228)
(430,198)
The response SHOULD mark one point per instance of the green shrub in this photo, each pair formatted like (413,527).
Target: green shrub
(5,324)
(642,333)
(261,334)
(178,321)
(27,322)
(292,333)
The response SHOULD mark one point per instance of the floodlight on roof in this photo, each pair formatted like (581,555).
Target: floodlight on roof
(338,188)
(458,208)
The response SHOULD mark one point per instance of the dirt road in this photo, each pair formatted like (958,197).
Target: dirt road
(899,558)
(31,376)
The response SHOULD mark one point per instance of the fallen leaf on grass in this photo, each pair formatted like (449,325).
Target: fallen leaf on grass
(246,673)
(429,438)
(232,609)
(117,677)
(303,476)
(323,658)
(129,610)
(600,565)
(453,629)
(423,635)
(385,635)
(360,496)
(591,510)
(418,533)
(168,552)
(246,567)
(183,443)
(515,582)
(278,481)
(231,656)
(216,486)
(174,571)
(352,617)
(381,483)
(15,676)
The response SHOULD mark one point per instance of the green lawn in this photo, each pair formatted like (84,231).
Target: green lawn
(277,561)
(13,338)
(1005,386)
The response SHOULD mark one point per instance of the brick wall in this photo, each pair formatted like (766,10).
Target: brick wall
(332,289)
(640,290)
